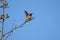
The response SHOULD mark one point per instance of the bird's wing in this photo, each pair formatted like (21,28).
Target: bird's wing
(26,12)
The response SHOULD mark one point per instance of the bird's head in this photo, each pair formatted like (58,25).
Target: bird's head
(30,14)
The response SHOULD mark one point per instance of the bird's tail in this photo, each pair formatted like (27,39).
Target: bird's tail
(23,23)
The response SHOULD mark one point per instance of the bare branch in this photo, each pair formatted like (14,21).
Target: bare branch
(7,36)
(0,30)
(12,30)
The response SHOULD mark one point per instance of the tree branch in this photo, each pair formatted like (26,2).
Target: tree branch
(12,30)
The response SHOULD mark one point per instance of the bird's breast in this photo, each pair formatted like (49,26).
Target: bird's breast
(28,18)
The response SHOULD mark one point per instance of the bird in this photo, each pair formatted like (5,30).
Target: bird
(28,16)
(4,5)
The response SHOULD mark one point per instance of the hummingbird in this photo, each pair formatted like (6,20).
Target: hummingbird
(28,16)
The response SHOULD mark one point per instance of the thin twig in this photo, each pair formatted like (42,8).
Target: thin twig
(7,36)
(12,30)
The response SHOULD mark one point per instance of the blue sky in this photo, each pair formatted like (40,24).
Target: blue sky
(45,26)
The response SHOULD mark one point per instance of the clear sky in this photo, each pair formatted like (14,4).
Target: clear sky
(45,26)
